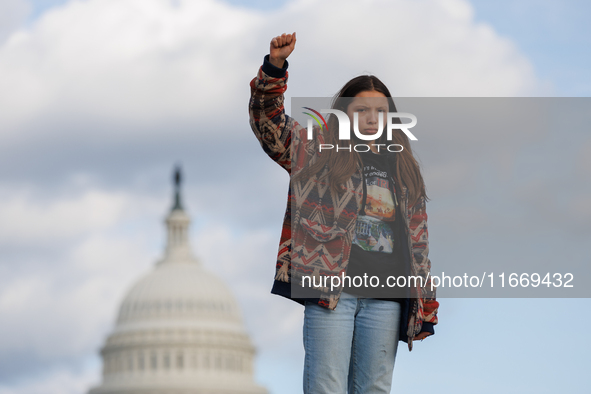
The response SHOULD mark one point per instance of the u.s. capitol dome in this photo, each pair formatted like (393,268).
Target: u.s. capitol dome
(179,328)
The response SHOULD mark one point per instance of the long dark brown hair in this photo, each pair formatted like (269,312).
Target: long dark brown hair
(343,166)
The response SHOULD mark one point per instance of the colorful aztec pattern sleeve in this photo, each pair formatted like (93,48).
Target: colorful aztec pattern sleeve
(420,250)
(268,120)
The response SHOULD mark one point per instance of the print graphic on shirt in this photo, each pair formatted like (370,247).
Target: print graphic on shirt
(373,232)
(373,235)
(379,203)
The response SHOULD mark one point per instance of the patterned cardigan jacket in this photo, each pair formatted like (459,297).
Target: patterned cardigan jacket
(318,226)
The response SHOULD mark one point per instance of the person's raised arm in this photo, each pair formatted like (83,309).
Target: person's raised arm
(268,120)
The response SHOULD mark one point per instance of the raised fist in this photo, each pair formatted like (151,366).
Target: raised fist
(281,47)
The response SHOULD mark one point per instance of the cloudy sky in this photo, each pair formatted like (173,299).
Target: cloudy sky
(99,99)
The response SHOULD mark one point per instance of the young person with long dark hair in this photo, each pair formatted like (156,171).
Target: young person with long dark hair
(352,211)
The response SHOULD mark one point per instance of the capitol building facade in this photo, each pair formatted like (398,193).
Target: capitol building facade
(179,329)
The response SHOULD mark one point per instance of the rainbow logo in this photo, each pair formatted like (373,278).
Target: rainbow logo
(315,118)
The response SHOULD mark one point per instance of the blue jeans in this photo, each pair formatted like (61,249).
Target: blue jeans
(351,349)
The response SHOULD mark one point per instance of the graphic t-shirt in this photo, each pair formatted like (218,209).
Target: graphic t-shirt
(376,248)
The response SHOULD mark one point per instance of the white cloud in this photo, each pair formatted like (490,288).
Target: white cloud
(75,257)
(26,220)
(125,61)
(145,62)
(429,48)
(27,216)
(12,14)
